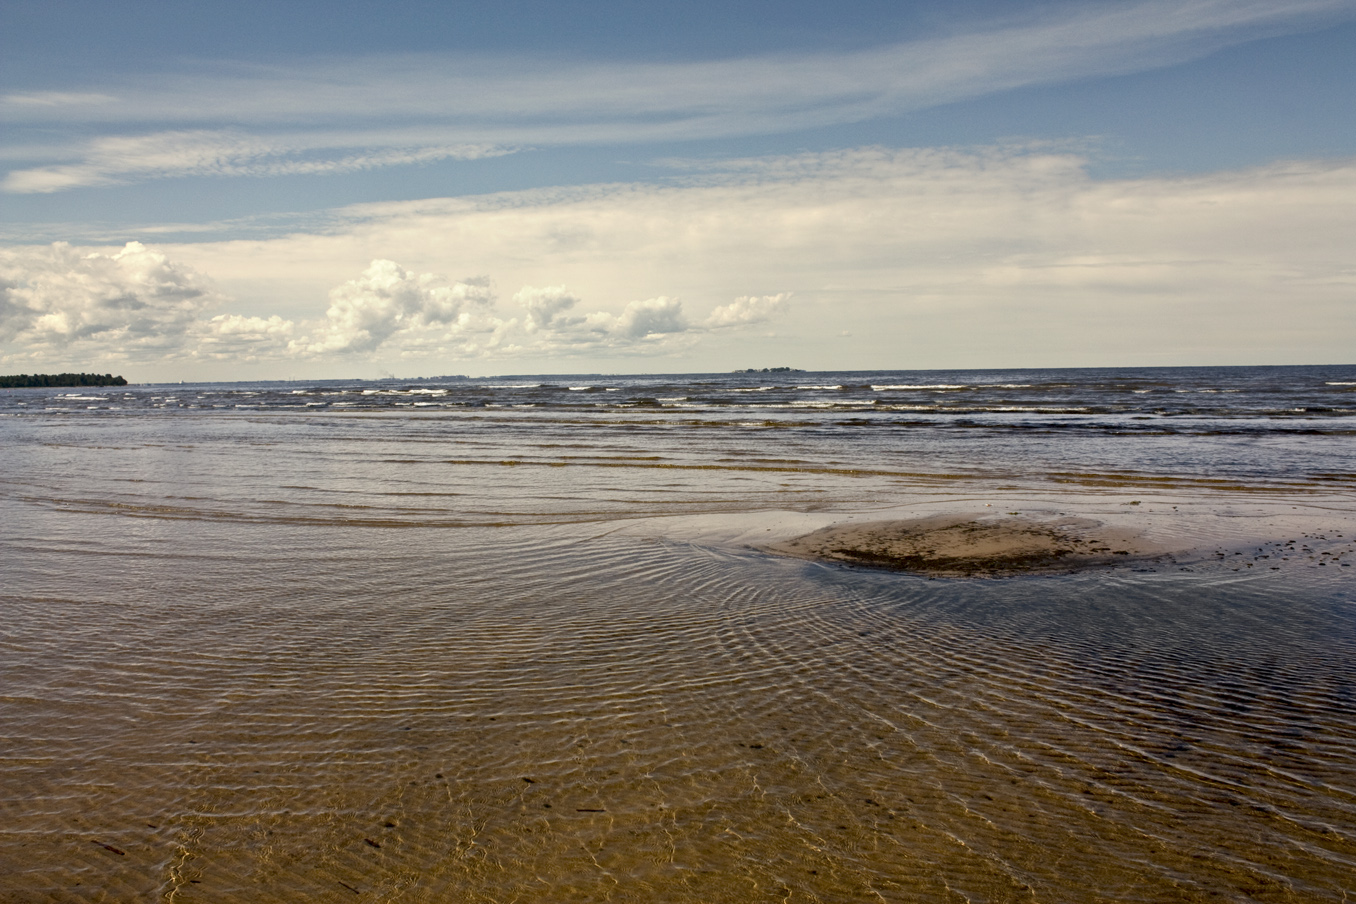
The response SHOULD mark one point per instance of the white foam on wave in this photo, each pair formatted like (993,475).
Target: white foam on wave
(897,386)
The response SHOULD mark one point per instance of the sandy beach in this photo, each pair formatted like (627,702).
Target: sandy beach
(569,649)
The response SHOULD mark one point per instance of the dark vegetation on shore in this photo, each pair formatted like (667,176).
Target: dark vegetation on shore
(15,381)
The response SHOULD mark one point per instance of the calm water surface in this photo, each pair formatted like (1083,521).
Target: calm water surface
(384,642)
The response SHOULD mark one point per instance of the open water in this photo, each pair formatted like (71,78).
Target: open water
(433,641)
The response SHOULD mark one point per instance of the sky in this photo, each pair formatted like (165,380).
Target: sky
(253,190)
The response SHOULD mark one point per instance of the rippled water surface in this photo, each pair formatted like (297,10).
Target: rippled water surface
(282,642)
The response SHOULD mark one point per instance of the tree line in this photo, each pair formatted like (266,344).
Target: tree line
(14,381)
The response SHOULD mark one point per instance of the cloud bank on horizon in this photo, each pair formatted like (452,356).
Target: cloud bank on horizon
(957,251)
(1002,252)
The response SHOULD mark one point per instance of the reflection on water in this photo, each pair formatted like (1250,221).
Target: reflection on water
(271,657)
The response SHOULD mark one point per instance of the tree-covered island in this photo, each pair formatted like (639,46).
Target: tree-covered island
(17,381)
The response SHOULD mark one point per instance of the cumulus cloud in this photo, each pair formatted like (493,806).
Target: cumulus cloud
(643,321)
(652,317)
(133,302)
(388,302)
(136,305)
(238,338)
(748,309)
(546,307)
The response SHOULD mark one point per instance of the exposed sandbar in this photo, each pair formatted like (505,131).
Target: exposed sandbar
(974,546)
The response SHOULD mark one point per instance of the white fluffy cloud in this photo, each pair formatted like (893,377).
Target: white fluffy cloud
(388,303)
(133,304)
(652,317)
(749,309)
(546,308)
(550,325)
(237,338)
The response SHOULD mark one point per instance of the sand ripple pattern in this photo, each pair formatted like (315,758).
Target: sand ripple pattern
(527,714)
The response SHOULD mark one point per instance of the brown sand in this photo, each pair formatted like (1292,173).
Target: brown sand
(974,546)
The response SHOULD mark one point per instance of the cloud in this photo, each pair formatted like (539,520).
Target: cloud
(749,309)
(119,159)
(137,305)
(928,257)
(652,317)
(546,307)
(393,110)
(238,338)
(548,326)
(33,99)
(134,303)
(551,326)
(934,257)
(389,303)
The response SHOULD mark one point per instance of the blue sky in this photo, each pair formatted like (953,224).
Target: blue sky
(355,189)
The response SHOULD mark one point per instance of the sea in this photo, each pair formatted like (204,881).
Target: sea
(521,639)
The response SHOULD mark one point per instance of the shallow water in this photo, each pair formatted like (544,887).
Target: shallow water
(286,655)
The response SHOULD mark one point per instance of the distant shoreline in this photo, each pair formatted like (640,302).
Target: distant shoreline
(35,381)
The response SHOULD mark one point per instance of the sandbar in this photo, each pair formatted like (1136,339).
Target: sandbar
(951,545)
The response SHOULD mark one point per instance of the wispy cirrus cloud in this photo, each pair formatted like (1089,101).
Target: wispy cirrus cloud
(119,159)
(54,99)
(267,120)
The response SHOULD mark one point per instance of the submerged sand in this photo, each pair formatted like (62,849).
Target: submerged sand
(974,546)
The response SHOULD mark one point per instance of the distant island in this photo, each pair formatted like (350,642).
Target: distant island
(17,381)
(771,370)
